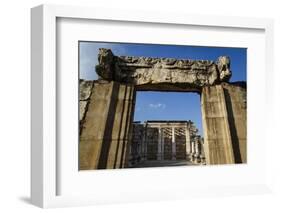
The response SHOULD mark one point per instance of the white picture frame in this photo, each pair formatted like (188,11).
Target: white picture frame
(44,148)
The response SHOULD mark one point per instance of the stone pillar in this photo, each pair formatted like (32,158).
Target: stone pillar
(107,127)
(236,104)
(202,154)
(192,147)
(132,157)
(162,143)
(197,149)
(192,154)
(143,145)
(187,143)
(217,136)
(159,150)
(174,157)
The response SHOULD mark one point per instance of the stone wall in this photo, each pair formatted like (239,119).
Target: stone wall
(106,116)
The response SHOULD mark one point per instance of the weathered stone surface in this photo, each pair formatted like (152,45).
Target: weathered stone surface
(106,133)
(106,128)
(158,71)
(85,89)
(107,108)
(94,125)
(236,104)
(165,140)
(218,145)
(224,123)
(82,109)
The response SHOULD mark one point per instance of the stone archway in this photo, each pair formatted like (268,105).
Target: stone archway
(107,106)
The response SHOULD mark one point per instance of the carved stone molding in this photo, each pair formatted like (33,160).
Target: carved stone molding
(142,71)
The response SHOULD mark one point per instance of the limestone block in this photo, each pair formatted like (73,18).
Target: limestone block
(218,144)
(85,89)
(192,74)
(82,109)
(224,123)
(92,136)
(236,102)
(107,125)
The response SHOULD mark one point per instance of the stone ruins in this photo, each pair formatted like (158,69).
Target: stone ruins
(160,73)
(107,108)
(166,140)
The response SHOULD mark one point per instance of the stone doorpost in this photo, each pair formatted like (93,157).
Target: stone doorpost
(106,132)
(224,123)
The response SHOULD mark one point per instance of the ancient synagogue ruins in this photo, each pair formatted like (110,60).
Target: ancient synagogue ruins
(109,138)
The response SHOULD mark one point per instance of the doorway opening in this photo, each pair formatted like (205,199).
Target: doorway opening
(167,130)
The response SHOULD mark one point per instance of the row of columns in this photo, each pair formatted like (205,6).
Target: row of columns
(160,151)
(193,148)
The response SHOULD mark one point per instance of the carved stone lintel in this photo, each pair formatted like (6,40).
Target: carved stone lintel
(149,71)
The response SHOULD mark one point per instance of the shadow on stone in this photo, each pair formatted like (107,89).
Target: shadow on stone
(233,131)
(108,127)
(119,132)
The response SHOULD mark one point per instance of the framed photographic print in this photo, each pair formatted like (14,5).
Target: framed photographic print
(130,106)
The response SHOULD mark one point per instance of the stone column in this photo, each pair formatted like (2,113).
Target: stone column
(236,104)
(203,161)
(107,127)
(173,145)
(197,146)
(132,156)
(187,143)
(159,150)
(162,144)
(143,145)
(197,149)
(122,127)
(217,137)
(192,154)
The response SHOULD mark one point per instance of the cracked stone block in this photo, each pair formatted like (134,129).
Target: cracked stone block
(82,110)
(85,89)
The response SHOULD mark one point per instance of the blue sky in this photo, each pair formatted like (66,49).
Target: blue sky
(164,105)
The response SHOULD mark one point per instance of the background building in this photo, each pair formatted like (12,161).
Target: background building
(160,140)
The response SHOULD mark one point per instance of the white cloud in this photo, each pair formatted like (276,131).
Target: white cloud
(157,106)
